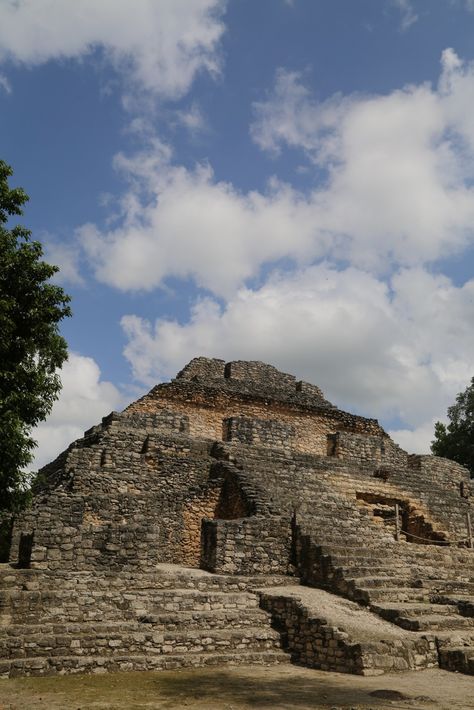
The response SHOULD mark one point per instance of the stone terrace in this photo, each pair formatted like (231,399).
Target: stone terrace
(177,534)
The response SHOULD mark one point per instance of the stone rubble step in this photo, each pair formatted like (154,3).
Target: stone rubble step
(111,641)
(381,570)
(191,621)
(166,577)
(434,622)
(178,600)
(48,607)
(412,609)
(449,585)
(371,595)
(347,552)
(11,577)
(205,619)
(33,666)
(382,582)
(463,602)
(457,658)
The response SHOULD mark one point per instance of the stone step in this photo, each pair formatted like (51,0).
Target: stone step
(412,610)
(446,586)
(35,606)
(178,600)
(429,567)
(374,595)
(434,622)
(351,552)
(464,603)
(194,620)
(407,552)
(434,585)
(370,582)
(163,577)
(457,658)
(34,666)
(322,537)
(206,619)
(381,570)
(109,640)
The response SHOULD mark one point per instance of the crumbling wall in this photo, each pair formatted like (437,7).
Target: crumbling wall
(132,492)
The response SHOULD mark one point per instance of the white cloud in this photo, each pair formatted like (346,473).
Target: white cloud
(384,336)
(409,16)
(385,351)
(66,257)
(83,401)
(183,223)
(291,117)
(5,84)
(415,441)
(192,119)
(398,192)
(399,167)
(158,45)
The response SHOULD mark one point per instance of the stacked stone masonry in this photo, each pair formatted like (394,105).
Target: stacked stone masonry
(235,515)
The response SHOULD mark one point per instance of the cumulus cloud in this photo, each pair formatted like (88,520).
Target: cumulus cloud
(157,45)
(398,191)
(84,399)
(399,167)
(179,222)
(384,350)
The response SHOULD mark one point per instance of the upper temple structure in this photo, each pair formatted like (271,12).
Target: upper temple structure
(235,515)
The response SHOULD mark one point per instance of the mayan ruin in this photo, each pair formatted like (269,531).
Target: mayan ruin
(234,515)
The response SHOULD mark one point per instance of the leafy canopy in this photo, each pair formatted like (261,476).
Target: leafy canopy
(31,349)
(456,440)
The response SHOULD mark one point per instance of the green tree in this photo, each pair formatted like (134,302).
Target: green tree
(456,440)
(31,349)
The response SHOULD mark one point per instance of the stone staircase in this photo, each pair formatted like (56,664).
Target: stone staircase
(421,588)
(327,632)
(167,618)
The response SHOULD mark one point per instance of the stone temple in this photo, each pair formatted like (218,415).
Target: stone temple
(234,515)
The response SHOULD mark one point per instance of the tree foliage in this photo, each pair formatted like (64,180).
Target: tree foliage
(456,440)
(31,349)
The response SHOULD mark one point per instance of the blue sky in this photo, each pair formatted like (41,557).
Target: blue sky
(288,181)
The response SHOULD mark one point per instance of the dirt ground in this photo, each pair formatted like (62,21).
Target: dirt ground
(240,688)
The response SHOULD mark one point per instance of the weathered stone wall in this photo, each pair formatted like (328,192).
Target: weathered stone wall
(207,418)
(367,449)
(254,545)
(267,432)
(208,393)
(133,492)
